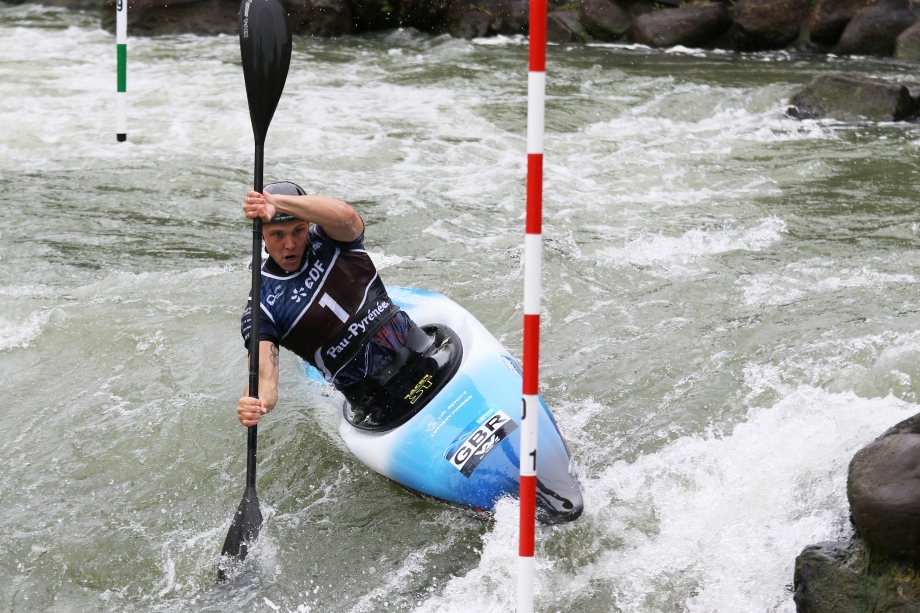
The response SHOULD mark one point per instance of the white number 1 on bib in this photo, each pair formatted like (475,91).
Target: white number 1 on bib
(332,305)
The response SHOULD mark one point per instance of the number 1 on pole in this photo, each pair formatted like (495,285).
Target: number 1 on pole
(121,44)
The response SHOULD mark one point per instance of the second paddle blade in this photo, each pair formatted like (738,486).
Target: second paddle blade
(265,44)
(244,530)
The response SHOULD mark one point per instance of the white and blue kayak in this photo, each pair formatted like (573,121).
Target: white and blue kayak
(445,420)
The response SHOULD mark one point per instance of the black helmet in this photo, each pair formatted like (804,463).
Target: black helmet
(283,188)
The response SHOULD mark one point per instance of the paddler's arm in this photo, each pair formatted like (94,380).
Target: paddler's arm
(338,219)
(249,410)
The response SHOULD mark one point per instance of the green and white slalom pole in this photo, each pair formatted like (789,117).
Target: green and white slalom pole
(121,42)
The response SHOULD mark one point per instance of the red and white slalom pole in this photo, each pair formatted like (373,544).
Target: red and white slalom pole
(533,262)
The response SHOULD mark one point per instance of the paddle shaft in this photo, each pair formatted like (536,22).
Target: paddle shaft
(265,49)
(256,312)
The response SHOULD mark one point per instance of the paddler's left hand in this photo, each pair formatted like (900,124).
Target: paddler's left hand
(250,409)
(259,205)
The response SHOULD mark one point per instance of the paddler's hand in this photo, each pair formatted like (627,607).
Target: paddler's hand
(259,205)
(250,409)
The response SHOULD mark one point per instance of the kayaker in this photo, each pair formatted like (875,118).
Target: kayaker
(321,296)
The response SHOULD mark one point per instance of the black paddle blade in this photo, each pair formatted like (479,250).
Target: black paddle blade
(265,44)
(244,529)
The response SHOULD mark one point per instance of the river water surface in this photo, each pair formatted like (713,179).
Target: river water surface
(730,311)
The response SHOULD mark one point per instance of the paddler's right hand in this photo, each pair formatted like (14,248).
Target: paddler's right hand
(250,409)
(259,205)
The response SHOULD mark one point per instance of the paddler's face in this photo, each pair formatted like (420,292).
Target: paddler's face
(286,243)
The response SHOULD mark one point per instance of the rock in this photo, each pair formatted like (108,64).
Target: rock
(911,425)
(472,24)
(825,580)
(424,15)
(907,46)
(690,26)
(159,17)
(884,492)
(841,578)
(875,30)
(850,99)
(373,15)
(760,25)
(875,571)
(326,18)
(470,20)
(564,27)
(634,8)
(604,20)
(519,17)
(830,17)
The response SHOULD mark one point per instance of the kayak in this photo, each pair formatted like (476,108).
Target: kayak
(444,419)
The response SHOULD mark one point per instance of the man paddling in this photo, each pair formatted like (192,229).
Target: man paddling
(321,296)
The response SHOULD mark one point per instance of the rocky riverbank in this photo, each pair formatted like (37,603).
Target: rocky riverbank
(862,27)
(877,570)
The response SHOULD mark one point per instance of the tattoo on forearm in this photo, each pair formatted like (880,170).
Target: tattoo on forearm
(276,355)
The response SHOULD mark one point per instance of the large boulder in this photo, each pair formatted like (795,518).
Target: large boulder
(691,26)
(519,17)
(874,31)
(320,17)
(565,27)
(883,488)
(634,8)
(843,578)
(849,99)
(471,24)
(760,25)
(373,16)
(907,46)
(427,15)
(830,17)
(158,17)
(604,20)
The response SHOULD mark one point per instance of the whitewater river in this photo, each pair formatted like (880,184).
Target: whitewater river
(730,311)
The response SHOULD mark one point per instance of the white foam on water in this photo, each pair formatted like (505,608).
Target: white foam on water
(671,149)
(798,280)
(395,581)
(872,366)
(501,40)
(661,250)
(29,291)
(71,106)
(382,260)
(643,126)
(710,523)
(623,46)
(492,586)
(682,50)
(119,284)
(22,333)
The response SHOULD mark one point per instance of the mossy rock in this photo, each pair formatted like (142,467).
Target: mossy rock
(844,577)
